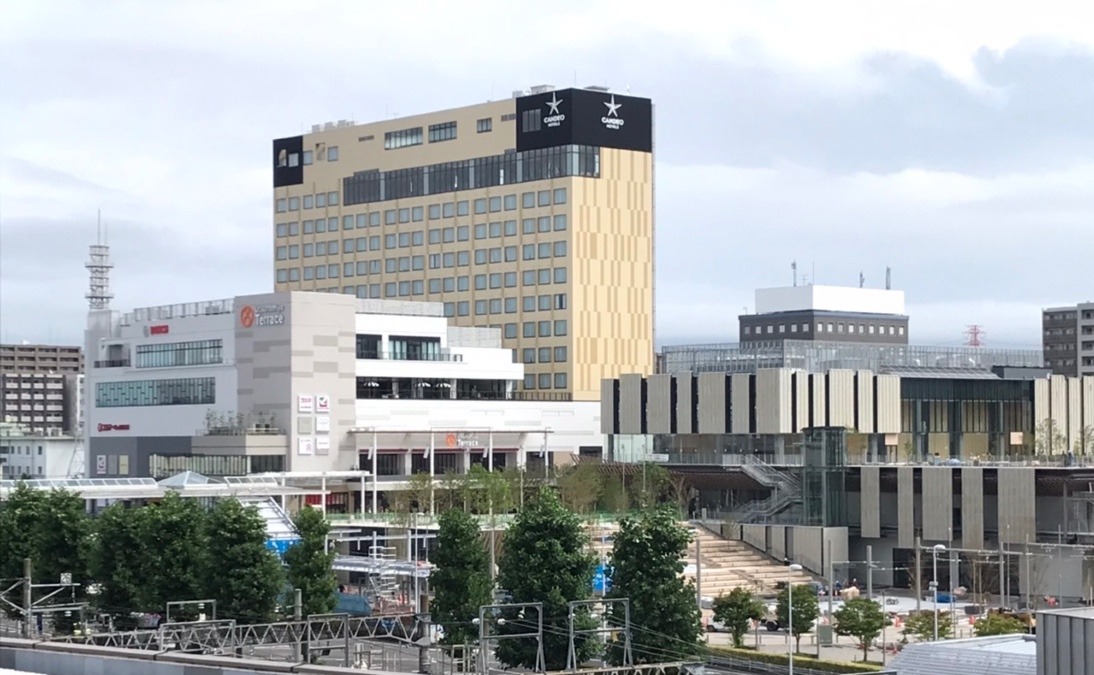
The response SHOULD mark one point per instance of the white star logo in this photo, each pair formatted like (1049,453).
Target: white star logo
(554,103)
(613,107)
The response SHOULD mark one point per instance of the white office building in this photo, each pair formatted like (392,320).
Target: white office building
(312,382)
(25,453)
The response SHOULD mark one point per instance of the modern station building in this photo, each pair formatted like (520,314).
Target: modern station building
(826,314)
(313,382)
(532,215)
(796,445)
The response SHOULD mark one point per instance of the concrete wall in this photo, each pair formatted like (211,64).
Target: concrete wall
(870,501)
(905,498)
(773,401)
(1017,512)
(712,403)
(630,404)
(864,400)
(841,393)
(972,507)
(937,503)
(742,403)
(685,417)
(1064,641)
(888,404)
(659,408)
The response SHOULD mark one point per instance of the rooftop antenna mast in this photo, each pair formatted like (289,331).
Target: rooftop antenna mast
(861,280)
(794,270)
(888,278)
(98,266)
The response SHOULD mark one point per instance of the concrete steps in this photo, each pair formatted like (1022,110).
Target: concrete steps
(725,564)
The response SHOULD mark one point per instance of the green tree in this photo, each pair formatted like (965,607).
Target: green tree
(51,528)
(862,619)
(244,577)
(736,611)
(460,579)
(545,559)
(921,625)
(174,552)
(117,564)
(308,563)
(647,567)
(580,486)
(806,610)
(1049,438)
(999,624)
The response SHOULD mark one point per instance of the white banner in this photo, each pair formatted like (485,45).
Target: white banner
(305,445)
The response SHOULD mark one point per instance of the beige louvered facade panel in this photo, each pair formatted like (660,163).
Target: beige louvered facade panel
(817,383)
(1057,391)
(685,417)
(1018,507)
(870,501)
(937,500)
(773,401)
(888,404)
(630,403)
(712,403)
(659,404)
(607,405)
(1088,412)
(742,403)
(905,505)
(1041,405)
(1074,412)
(864,391)
(972,507)
(841,391)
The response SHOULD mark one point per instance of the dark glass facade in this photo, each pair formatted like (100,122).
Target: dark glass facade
(366,187)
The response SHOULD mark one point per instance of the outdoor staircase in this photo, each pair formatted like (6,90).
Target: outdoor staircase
(729,564)
(280,531)
(726,564)
(786,492)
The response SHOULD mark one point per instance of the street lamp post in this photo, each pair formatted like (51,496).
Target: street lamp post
(790,613)
(934,583)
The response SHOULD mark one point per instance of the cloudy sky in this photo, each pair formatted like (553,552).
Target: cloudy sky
(953,142)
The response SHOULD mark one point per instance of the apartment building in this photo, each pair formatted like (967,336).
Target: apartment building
(532,215)
(40,387)
(1068,339)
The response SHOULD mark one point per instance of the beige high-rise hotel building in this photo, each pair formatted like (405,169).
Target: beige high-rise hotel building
(533,215)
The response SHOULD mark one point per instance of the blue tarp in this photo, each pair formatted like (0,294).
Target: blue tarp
(602,579)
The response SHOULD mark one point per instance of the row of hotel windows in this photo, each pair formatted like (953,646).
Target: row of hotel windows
(863,329)
(445,131)
(540,277)
(179,391)
(415,214)
(544,380)
(438,235)
(542,251)
(366,187)
(195,353)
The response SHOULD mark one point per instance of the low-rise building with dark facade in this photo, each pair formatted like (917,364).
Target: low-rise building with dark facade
(826,313)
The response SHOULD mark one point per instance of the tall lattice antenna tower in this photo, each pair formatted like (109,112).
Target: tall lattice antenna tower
(98,267)
(974,336)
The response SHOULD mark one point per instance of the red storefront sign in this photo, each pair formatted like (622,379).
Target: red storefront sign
(162,329)
(113,427)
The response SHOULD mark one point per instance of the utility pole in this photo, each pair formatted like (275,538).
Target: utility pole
(297,615)
(28,597)
(831,578)
(870,571)
(699,569)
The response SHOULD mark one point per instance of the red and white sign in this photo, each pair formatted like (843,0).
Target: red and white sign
(322,403)
(162,329)
(305,403)
(113,427)
(322,424)
(305,445)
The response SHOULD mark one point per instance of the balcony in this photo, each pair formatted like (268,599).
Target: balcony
(113,363)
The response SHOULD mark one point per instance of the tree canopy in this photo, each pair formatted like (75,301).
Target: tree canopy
(244,577)
(999,624)
(736,611)
(647,567)
(862,619)
(806,610)
(460,579)
(545,559)
(308,563)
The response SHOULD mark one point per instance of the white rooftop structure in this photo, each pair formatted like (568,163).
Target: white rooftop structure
(829,299)
(1010,654)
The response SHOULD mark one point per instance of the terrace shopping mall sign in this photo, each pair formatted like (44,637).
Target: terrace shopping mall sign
(262,315)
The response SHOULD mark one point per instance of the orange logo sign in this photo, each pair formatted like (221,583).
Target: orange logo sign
(247,316)
(451,441)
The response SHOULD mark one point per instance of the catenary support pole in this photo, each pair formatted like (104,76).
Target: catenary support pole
(28,596)
(918,574)
(870,571)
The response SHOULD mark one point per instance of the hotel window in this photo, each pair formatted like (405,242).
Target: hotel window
(805,328)
(480,282)
(510,228)
(543,198)
(282,253)
(374,219)
(529,252)
(294,229)
(332,153)
(446,131)
(181,391)
(510,330)
(449,284)
(282,275)
(434,285)
(900,331)
(560,275)
(544,354)
(529,303)
(282,205)
(461,208)
(560,195)
(332,271)
(463,233)
(480,231)
(510,202)
(529,381)
(402,138)
(309,250)
(560,355)
(528,278)
(495,230)
(793,328)
(347,269)
(495,204)
(320,200)
(529,329)
(560,380)
(544,223)
(495,280)
(463,283)
(545,250)
(528,199)
(307,159)
(404,215)
(294,203)
(510,279)
(495,305)
(434,211)
(294,274)
(390,216)
(748,330)
(560,222)
(448,235)
(480,206)
(533,120)
(484,125)
(480,307)
(544,380)
(450,309)
(560,327)
(309,201)
(511,306)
